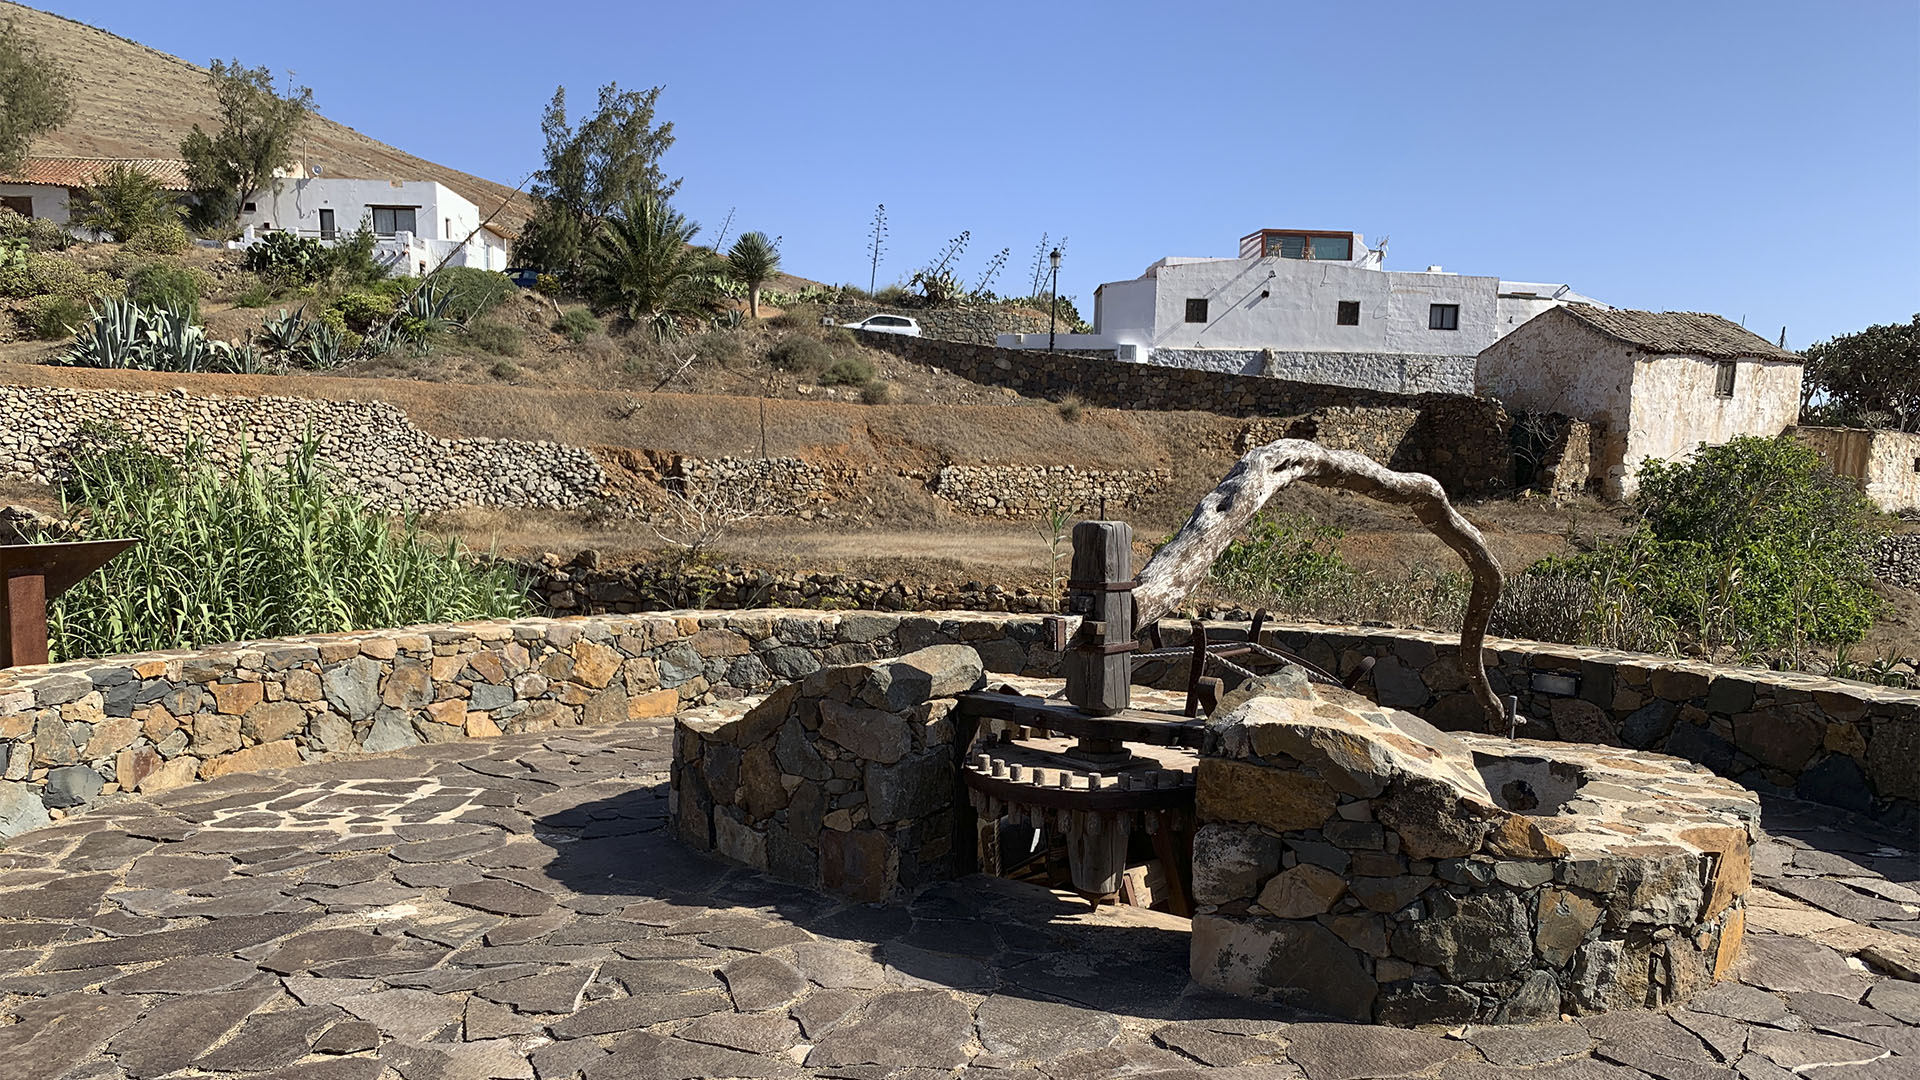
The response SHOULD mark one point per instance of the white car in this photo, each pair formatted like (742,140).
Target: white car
(886,324)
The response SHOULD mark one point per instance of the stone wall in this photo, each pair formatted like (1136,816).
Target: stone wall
(73,733)
(1395,373)
(372,446)
(1843,743)
(1460,441)
(1034,490)
(974,325)
(163,719)
(843,781)
(1897,561)
(1886,464)
(1353,860)
(581,586)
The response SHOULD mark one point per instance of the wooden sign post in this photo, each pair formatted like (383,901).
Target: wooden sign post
(1098,662)
(31,576)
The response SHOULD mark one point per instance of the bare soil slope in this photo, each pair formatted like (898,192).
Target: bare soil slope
(133,101)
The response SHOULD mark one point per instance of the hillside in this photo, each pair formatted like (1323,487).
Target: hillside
(133,101)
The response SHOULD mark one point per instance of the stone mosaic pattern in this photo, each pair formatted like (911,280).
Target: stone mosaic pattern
(1849,744)
(72,733)
(1356,860)
(843,780)
(372,446)
(517,907)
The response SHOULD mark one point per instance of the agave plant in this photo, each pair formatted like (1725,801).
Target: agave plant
(112,338)
(321,349)
(284,332)
(122,334)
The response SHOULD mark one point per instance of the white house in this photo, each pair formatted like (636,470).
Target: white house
(1312,306)
(1656,384)
(417,222)
(51,187)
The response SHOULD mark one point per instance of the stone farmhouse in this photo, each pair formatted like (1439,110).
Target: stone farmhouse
(1310,306)
(51,187)
(1652,384)
(1886,464)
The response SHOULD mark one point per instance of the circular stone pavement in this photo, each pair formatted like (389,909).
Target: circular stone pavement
(516,908)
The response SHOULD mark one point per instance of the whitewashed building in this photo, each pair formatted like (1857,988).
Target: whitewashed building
(52,187)
(417,222)
(1311,306)
(1655,384)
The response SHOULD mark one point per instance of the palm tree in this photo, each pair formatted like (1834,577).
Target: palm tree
(125,200)
(643,264)
(751,261)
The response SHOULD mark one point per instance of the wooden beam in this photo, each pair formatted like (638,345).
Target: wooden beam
(1100,590)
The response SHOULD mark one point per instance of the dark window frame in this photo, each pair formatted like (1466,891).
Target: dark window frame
(1270,238)
(1348,313)
(1197,304)
(1443,316)
(1726,376)
(394,213)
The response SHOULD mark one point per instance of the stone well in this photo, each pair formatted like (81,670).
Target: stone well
(1357,861)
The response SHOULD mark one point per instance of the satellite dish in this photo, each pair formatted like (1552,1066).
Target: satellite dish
(318,169)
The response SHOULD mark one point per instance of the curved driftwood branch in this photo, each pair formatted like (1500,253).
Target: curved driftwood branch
(1178,568)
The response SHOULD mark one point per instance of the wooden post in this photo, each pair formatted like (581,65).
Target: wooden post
(23,615)
(1099,661)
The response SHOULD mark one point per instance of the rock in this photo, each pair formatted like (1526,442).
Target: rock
(1347,1052)
(1230,862)
(1302,892)
(924,1028)
(501,898)
(934,672)
(1294,963)
(1582,721)
(1280,800)
(1647,726)
(1793,965)
(70,786)
(413,1016)
(273,720)
(913,788)
(1024,1029)
(1433,821)
(1481,936)
(391,731)
(353,687)
(1529,1044)
(871,734)
(1784,737)
(274,755)
(1563,919)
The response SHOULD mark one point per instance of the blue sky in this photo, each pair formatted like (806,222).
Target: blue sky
(1756,159)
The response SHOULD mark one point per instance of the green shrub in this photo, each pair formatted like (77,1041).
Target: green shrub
(54,317)
(797,317)
(250,552)
(1754,545)
(1283,559)
(257,295)
(360,309)
(471,291)
(497,338)
(1071,408)
(877,392)
(45,274)
(38,234)
(160,238)
(847,371)
(799,353)
(577,324)
(894,295)
(505,369)
(156,284)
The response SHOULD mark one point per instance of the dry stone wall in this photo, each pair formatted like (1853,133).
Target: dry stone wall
(1034,490)
(974,325)
(371,446)
(1897,561)
(842,781)
(1397,373)
(1460,441)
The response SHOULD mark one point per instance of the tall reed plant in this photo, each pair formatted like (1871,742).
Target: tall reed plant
(250,551)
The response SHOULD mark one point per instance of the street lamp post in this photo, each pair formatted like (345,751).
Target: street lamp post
(1053,313)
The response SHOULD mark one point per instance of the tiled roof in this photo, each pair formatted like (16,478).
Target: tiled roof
(1690,333)
(85,172)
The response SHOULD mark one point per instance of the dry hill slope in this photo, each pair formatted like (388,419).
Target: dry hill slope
(133,101)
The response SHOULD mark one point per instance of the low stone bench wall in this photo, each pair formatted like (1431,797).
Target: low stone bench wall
(842,781)
(1842,743)
(73,733)
(1357,861)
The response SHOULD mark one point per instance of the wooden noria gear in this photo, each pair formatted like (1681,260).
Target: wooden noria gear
(1069,771)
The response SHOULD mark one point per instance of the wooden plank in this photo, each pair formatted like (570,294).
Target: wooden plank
(23,615)
(1158,729)
(1098,678)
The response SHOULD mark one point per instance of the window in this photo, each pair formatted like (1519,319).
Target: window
(1197,310)
(388,220)
(1443,317)
(248,208)
(1349,313)
(327,228)
(1723,378)
(1308,246)
(19,204)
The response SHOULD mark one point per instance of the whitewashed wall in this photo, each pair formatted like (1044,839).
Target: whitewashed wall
(49,200)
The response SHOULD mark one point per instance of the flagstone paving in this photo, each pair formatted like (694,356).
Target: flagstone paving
(515,908)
